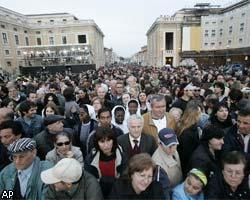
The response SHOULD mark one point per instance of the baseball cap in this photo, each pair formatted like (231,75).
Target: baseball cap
(167,137)
(68,170)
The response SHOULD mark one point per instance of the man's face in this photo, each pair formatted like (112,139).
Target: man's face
(61,186)
(119,116)
(158,109)
(31,112)
(119,89)
(105,119)
(7,136)
(33,97)
(220,78)
(135,128)
(243,123)
(101,93)
(24,160)
(56,127)
(132,108)
(83,115)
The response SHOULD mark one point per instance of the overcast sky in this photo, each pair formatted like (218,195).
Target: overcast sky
(123,22)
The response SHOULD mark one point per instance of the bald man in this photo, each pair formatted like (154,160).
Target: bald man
(6,114)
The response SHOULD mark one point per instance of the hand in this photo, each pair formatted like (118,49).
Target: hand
(69,154)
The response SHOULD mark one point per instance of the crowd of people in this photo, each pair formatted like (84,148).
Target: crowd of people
(126,133)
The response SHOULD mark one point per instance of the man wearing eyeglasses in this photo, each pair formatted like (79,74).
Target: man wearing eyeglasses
(22,176)
(232,182)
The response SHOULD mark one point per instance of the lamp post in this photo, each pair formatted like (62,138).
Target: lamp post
(227,58)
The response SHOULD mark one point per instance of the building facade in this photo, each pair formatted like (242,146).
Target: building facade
(140,58)
(48,39)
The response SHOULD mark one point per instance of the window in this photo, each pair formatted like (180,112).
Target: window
(18,53)
(229,42)
(213,33)
(240,41)
(50,31)
(221,21)
(206,35)
(38,32)
(7,52)
(241,27)
(39,21)
(221,32)
(38,41)
(82,39)
(5,39)
(26,41)
(15,29)
(205,44)
(212,44)
(25,31)
(206,23)
(64,20)
(16,39)
(230,29)
(213,22)
(64,39)
(51,21)
(243,14)
(220,43)
(2,26)
(51,41)
(8,64)
(169,41)
(231,18)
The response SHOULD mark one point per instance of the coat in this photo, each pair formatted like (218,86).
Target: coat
(123,189)
(217,188)
(150,128)
(36,189)
(87,188)
(170,165)
(54,157)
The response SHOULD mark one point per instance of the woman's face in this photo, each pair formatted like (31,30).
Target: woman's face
(216,143)
(192,185)
(11,105)
(222,114)
(141,180)
(125,98)
(142,97)
(81,94)
(63,144)
(97,105)
(176,114)
(132,107)
(49,111)
(106,146)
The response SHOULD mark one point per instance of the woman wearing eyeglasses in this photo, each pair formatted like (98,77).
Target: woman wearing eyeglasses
(63,149)
(232,182)
(138,182)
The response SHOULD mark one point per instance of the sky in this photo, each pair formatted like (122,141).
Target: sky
(123,22)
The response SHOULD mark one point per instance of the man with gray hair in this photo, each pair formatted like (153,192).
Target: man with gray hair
(135,141)
(157,118)
(22,176)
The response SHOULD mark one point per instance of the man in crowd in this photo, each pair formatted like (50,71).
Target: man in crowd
(67,180)
(22,176)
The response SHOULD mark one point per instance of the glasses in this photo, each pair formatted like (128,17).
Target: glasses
(63,143)
(144,177)
(197,90)
(237,174)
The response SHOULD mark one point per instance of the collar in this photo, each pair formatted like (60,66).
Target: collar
(131,139)
(26,171)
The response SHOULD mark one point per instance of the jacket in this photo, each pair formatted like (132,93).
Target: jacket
(87,188)
(170,165)
(180,194)
(36,189)
(54,157)
(150,128)
(123,189)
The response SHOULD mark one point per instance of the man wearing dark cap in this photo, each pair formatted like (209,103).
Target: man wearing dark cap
(22,176)
(44,139)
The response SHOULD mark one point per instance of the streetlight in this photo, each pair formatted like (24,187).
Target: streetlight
(227,58)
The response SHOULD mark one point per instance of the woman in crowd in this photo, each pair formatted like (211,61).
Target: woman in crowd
(138,182)
(192,187)
(144,104)
(206,156)
(189,134)
(83,97)
(220,117)
(64,149)
(125,99)
(232,182)
(51,97)
(106,161)
(97,104)
(118,118)
(50,109)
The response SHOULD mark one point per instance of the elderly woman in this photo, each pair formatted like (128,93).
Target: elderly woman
(106,161)
(138,184)
(64,149)
(232,182)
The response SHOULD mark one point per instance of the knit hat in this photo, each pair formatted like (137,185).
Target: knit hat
(167,137)
(199,174)
(22,145)
(211,131)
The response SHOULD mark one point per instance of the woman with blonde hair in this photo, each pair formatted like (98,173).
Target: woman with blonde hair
(189,133)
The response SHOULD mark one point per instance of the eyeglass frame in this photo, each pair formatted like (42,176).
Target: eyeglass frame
(60,144)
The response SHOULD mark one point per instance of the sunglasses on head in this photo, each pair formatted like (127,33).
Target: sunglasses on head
(63,143)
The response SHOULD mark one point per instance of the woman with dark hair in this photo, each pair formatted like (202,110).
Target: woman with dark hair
(63,148)
(51,97)
(138,181)
(50,109)
(106,161)
(220,117)
(83,97)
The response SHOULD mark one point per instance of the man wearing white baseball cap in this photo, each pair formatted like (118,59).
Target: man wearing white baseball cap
(68,180)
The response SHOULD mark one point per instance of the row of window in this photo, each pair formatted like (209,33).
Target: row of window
(81,40)
(229,42)
(7,52)
(221,21)
(230,30)
(14,29)
(51,21)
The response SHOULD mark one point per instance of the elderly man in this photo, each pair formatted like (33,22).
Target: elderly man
(157,118)
(22,176)
(68,180)
(10,131)
(44,139)
(6,114)
(135,141)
